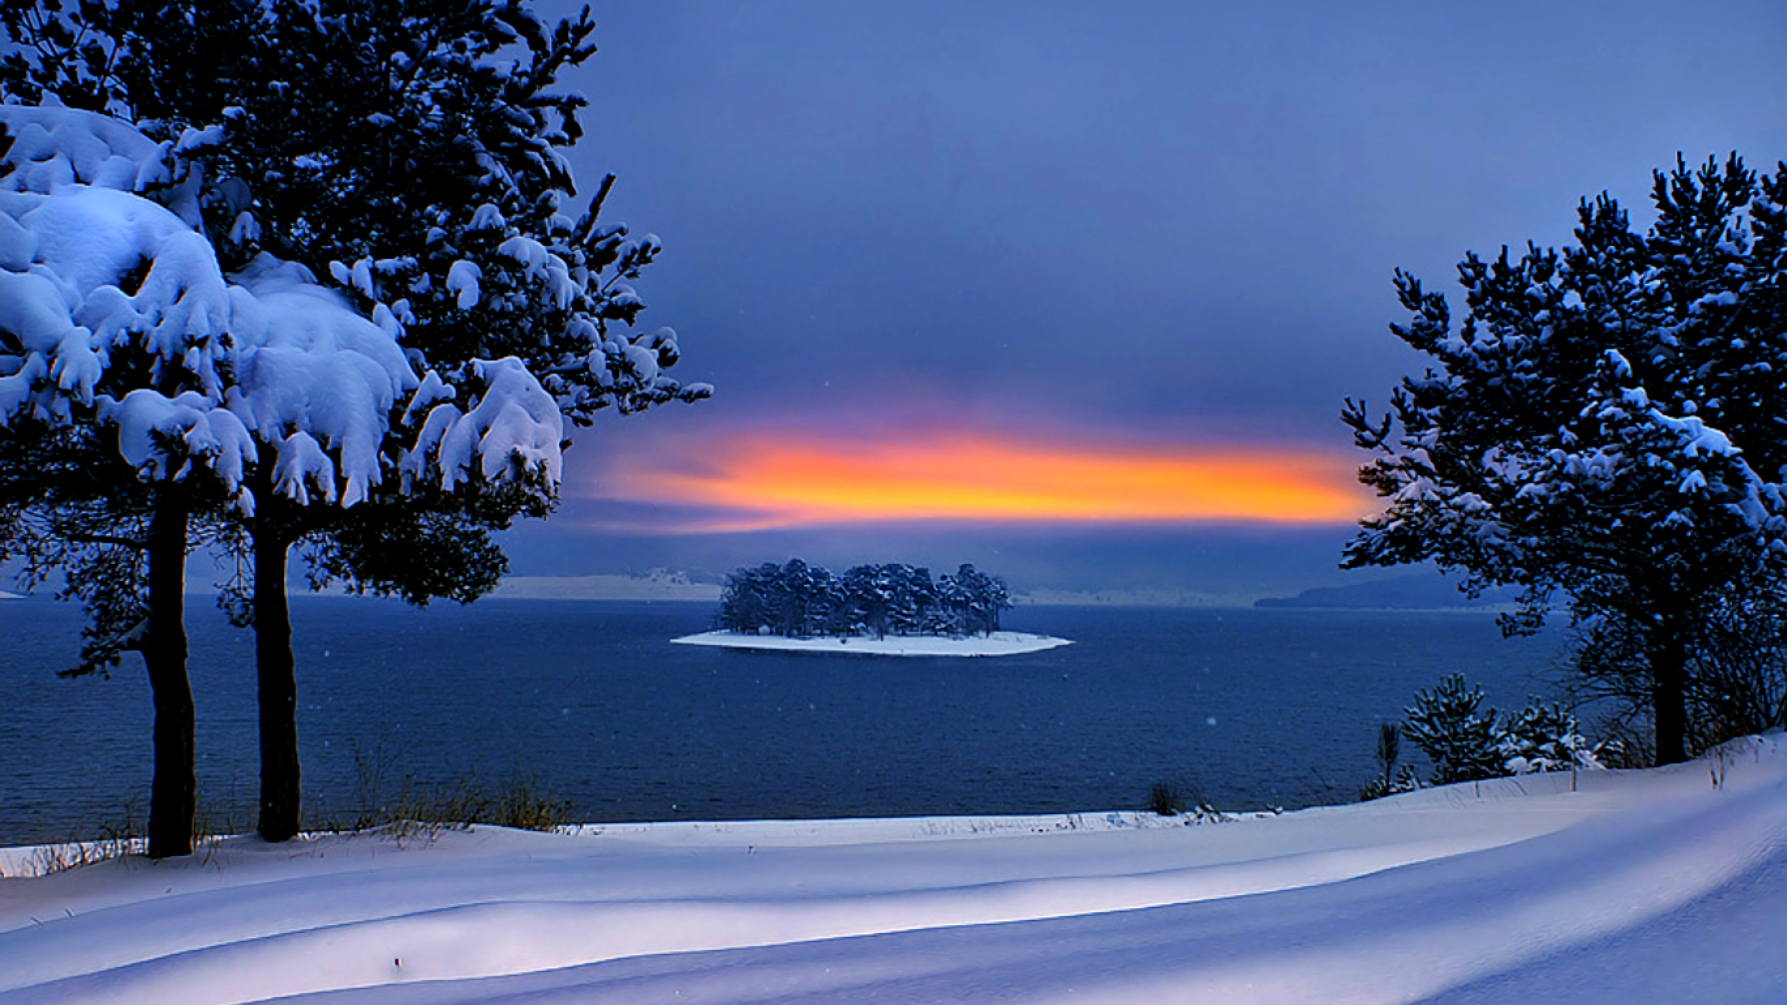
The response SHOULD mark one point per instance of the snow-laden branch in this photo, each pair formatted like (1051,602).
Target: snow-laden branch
(514,431)
(113,309)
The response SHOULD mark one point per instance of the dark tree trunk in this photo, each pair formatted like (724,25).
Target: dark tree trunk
(1669,676)
(275,669)
(172,793)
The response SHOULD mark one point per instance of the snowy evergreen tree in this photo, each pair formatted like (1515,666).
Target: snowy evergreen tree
(914,597)
(1543,737)
(806,599)
(872,593)
(748,602)
(1456,733)
(141,388)
(1466,742)
(411,154)
(113,361)
(974,600)
(798,599)
(1605,423)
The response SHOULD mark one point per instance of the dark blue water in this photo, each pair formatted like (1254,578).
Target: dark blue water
(1252,707)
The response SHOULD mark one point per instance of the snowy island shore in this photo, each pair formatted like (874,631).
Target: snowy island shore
(1645,886)
(993,644)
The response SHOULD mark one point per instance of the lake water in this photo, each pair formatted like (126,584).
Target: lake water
(1252,708)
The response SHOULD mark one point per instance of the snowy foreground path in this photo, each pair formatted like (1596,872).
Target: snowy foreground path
(1641,886)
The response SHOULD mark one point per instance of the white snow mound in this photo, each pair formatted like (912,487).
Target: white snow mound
(1662,885)
(991,644)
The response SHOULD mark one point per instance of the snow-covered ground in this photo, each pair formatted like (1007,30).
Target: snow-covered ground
(1665,886)
(994,644)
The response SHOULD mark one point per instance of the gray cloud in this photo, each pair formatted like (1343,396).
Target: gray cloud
(1177,217)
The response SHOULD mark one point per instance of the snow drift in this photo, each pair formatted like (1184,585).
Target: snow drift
(1657,885)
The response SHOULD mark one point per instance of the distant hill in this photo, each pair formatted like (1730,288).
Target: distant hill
(659,584)
(1402,593)
(1140,597)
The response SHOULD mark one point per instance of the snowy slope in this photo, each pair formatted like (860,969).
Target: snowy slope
(1641,886)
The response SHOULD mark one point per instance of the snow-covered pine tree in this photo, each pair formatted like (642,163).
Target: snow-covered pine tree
(803,593)
(747,599)
(1543,737)
(915,597)
(140,388)
(953,603)
(974,599)
(412,154)
(806,600)
(113,349)
(1605,422)
(1457,734)
(871,594)
(1466,742)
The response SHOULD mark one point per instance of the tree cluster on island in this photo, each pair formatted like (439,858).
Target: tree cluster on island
(286,274)
(803,601)
(1605,427)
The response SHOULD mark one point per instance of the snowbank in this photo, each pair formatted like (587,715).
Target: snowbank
(995,644)
(1662,885)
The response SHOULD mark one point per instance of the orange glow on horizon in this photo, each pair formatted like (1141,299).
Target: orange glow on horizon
(767,481)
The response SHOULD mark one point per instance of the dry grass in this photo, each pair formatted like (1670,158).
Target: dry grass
(519,800)
(116,841)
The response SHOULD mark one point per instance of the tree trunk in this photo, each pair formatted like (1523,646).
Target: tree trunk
(1669,674)
(172,794)
(275,669)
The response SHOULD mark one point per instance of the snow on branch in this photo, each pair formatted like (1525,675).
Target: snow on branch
(156,431)
(94,272)
(311,373)
(513,431)
(462,278)
(55,146)
(113,307)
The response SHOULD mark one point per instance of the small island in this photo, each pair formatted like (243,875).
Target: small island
(992,644)
(871,610)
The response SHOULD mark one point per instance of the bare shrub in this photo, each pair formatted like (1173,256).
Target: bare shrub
(1736,676)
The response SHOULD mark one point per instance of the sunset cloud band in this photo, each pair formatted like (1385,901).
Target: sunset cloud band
(764,480)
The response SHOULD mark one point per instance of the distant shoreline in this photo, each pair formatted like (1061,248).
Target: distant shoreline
(996,644)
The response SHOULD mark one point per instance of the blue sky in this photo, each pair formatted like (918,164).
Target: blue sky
(1149,227)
